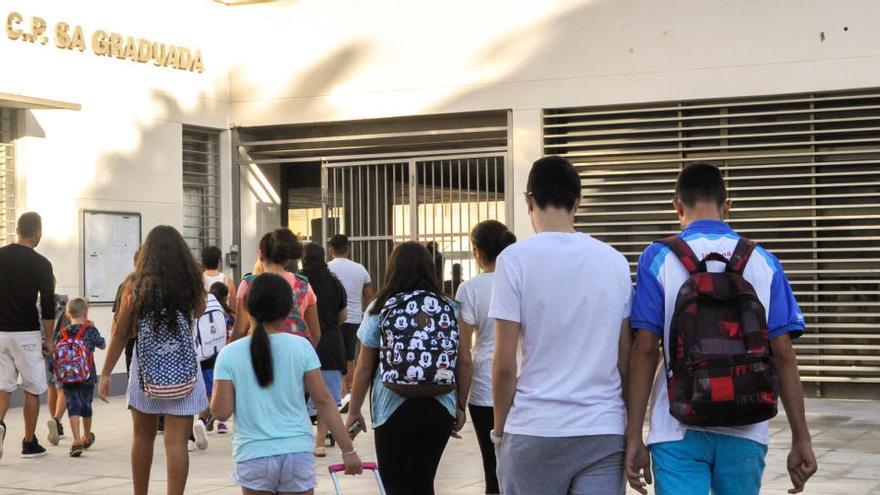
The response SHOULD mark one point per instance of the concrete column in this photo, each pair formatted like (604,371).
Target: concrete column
(526,147)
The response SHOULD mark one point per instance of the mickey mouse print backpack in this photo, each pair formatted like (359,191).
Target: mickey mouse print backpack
(419,344)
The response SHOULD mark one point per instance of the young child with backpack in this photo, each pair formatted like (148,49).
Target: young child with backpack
(211,337)
(262,379)
(221,292)
(74,359)
(420,380)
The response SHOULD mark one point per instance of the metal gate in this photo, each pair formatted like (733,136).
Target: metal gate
(436,200)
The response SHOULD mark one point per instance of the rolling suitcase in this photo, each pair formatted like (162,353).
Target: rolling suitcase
(368,466)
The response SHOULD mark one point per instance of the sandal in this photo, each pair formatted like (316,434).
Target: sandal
(89,441)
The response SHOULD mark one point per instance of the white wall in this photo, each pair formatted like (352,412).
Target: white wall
(323,60)
(123,150)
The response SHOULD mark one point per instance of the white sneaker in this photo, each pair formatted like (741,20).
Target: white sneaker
(190,445)
(201,434)
(54,437)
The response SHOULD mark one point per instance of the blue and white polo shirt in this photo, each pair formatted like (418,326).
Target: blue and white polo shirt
(660,276)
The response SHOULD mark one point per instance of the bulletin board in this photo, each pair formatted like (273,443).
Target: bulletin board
(110,241)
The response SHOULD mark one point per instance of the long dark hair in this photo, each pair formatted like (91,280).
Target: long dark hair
(166,279)
(314,265)
(268,300)
(491,237)
(280,246)
(410,268)
(220,292)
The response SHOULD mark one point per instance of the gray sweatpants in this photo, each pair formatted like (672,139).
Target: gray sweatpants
(591,465)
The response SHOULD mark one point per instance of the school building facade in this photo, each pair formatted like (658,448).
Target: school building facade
(415,120)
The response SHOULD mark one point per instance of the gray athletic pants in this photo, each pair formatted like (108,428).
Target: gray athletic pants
(591,465)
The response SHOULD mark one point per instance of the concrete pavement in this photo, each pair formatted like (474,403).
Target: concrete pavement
(846,439)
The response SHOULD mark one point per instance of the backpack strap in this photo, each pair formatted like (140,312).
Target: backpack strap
(684,253)
(82,330)
(741,254)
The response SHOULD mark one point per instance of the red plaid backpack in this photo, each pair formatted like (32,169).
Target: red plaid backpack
(719,371)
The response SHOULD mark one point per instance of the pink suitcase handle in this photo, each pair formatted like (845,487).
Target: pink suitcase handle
(338,468)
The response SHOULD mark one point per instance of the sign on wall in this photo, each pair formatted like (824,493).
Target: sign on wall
(103,43)
(110,241)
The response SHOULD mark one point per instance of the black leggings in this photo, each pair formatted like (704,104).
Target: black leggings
(409,446)
(483,419)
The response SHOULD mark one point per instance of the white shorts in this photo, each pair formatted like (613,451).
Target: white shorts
(21,353)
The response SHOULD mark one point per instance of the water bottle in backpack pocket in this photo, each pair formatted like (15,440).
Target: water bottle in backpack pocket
(718,370)
(419,344)
(166,354)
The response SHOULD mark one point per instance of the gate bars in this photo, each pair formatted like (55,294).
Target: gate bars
(384,202)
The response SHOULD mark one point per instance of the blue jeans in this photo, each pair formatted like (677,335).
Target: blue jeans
(702,461)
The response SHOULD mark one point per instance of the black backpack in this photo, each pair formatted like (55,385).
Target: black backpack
(419,344)
(719,372)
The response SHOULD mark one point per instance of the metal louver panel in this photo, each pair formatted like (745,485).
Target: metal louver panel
(7,176)
(804,173)
(201,188)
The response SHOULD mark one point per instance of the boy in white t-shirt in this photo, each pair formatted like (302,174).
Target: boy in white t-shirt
(559,424)
(690,460)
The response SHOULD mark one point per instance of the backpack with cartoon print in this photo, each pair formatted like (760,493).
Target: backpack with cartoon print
(419,344)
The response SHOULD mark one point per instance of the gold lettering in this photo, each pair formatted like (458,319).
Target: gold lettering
(160,54)
(116,48)
(62,39)
(100,44)
(13,20)
(130,49)
(38,28)
(145,51)
(78,40)
(197,62)
(185,60)
(173,58)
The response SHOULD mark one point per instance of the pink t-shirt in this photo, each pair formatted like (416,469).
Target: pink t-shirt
(310,299)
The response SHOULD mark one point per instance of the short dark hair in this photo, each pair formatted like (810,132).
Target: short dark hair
(699,183)
(29,224)
(553,181)
(339,244)
(211,258)
(491,237)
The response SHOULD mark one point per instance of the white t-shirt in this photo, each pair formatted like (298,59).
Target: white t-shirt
(474,297)
(570,293)
(212,279)
(353,277)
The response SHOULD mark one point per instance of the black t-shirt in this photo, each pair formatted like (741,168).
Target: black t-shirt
(24,274)
(331,300)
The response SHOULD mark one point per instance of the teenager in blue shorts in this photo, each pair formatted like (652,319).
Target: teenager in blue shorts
(690,460)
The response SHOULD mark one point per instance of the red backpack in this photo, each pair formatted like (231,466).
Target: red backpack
(72,357)
(719,371)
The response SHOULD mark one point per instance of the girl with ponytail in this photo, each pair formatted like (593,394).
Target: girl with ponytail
(263,379)
(279,250)
(488,239)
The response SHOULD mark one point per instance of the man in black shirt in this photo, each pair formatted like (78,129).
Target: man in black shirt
(24,274)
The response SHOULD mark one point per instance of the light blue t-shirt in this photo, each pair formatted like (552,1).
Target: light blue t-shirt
(384,400)
(273,420)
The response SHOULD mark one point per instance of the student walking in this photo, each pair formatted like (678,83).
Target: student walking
(25,275)
(221,293)
(74,357)
(166,293)
(212,262)
(715,439)
(410,354)
(332,304)
(55,396)
(560,422)
(278,249)
(263,379)
(359,290)
(489,239)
